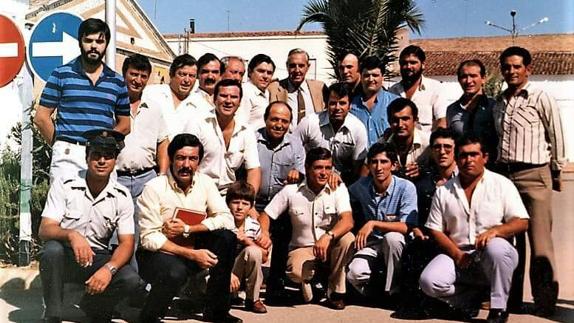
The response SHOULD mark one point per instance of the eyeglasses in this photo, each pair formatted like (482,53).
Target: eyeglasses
(438,147)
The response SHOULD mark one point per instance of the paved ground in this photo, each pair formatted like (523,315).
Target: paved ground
(23,304)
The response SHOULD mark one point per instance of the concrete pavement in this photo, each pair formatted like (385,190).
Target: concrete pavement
(21,301)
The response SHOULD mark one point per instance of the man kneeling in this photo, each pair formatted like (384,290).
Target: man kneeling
(81,213)
(471,217)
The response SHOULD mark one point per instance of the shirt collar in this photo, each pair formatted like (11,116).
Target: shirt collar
(77,67)
(262,136)
(173,184)
(390,188)
(303,185)
(81,183)
(256,90)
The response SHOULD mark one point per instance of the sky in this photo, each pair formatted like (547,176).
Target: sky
(443,18)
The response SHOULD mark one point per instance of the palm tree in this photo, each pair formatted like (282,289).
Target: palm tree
(362,27)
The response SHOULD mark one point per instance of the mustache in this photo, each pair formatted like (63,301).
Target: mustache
(209,81)
(185,170)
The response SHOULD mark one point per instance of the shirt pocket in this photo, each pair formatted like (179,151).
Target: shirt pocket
(281,169)
(234,159)
(343,150)
(71,220)
(329,215)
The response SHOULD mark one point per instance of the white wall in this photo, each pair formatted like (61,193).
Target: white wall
(276,47)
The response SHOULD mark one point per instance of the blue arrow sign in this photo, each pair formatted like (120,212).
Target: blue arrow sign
(54,42)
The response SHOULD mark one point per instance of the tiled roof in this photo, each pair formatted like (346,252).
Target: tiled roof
(247,34)
(543,63)
(534,43)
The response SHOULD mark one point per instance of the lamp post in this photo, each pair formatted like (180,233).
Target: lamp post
(514,30)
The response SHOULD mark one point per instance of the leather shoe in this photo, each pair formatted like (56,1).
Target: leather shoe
(336,304)
(52,319)
(226,318)
(497,316)
(255,307)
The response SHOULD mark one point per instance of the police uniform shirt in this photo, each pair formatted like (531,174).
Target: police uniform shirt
(70,203)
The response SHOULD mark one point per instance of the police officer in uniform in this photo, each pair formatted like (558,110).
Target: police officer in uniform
(78,220)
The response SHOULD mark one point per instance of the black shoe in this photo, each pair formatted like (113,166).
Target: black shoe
(545,300)
(52,319)
(226,318)
(497,316)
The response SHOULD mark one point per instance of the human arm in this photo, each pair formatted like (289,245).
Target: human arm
(553,126)
(382,226)
(44,123)
(461,258)
(505,230)
(162,156)
(439,123)
(344,225)
(123,124)
(50,230)
(254,178)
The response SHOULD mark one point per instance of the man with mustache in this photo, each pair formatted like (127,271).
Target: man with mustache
(303,96)
(340,132)
(425,92)
(230,144)
(86,95)
(471,218)
(209,69)
(282,160)
(167,264)
(255,93)
(321,221)
(81,213)
(177,104)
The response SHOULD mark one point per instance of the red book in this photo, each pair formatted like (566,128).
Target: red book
(190,217)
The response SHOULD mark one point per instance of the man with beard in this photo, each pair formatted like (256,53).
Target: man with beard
(229,143)
(340,132)
(282,160)
(371,106)
(303,96)
(472,112)
(209,69)
(167,264)
(255,93)
(426,93)
(233,67)
(350,74)
(175,99)
(87,95)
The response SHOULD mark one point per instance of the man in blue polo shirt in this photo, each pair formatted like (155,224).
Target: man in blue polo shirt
(87,95)
(371,106)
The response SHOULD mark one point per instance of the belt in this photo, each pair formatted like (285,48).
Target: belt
(517,167)
(72,141)
(134,172)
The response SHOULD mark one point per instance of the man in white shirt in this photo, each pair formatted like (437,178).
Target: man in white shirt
(233,68)
(175,98)
(426,93)
(229,143)
(473,236)
(255,94)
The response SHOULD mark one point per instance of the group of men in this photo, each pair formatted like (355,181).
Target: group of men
(341,181)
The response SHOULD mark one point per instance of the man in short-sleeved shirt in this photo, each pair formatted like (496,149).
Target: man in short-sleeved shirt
(473,236)
(384,207)
(371,106)
(229,143)
(425,92)
(255,93)
(337,130)
(80,215)
(87,95)
(322,220)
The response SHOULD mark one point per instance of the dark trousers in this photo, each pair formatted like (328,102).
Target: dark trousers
(58,266)
(168,273)
(280,237)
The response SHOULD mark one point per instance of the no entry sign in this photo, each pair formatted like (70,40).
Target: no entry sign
(12,51)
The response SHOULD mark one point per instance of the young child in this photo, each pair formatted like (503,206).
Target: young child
(250,256)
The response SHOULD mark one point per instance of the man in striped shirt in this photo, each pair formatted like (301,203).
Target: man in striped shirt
(87,95)
(531,154)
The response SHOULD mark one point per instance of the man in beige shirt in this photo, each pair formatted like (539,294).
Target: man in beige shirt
(165,264)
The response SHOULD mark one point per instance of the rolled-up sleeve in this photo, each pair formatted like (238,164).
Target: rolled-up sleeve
(126,223)
(279,203)
(408,204)
(55,206)
(251,153)
(435,218)
(150,220)
(219,215)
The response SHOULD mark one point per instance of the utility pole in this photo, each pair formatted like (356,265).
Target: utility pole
(111,21)
(514,30)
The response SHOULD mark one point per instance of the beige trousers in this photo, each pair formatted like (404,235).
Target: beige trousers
(248,266)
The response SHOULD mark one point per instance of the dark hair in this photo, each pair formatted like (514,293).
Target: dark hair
(413,50)
(370,63)
(315,154)
(138,62)
(469,139)
(270,105)
(471,62)
(240,190)
(184,140)
(258,59)
(340,90)
(383,147)
(442,133)
(206,58)
(93,26)
(518,51)
(399,104)
(227,82)
(181,61)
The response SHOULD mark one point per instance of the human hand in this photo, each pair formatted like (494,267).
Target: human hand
(419,235)
(483,238)
(264,241)
(334,180)
(235,284)
(321,247)
(83,253)
(463,260)
(292,177)
(363,235)
(98,282)
(412,170)
(204,258)
(173,228)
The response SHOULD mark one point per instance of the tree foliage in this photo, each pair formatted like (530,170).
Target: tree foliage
(362,27)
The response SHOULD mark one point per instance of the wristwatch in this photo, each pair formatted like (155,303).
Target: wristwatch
(331,234)
(186,229)
(111,268)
